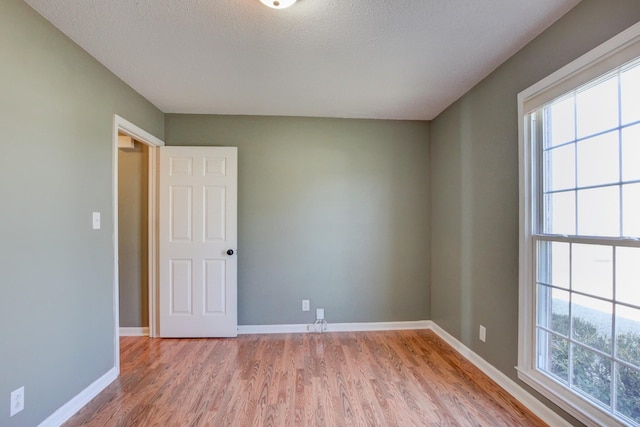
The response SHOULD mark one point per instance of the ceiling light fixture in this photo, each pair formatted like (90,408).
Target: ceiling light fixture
(278,4)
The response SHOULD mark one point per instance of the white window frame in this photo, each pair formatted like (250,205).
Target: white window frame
(611,54)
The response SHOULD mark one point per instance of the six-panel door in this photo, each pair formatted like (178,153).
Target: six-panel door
(198,227)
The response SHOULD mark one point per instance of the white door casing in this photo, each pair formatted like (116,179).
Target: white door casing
(198,226)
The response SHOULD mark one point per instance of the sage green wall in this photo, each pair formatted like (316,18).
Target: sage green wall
(133,243)
(56,282)
(331,210)
(474,198)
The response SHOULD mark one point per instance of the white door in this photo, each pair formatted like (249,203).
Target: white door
(198,237)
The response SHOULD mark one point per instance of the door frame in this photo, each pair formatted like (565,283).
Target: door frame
(121,125)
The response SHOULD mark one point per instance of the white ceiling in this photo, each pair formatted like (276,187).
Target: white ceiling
(390,59)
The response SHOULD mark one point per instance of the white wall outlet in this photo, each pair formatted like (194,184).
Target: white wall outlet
(483,333)
(17,401)
(305,305)
(319,313)
(96,220)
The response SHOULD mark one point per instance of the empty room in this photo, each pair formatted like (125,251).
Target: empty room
(320,213)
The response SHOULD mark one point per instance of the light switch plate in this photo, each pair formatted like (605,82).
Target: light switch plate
(96,220)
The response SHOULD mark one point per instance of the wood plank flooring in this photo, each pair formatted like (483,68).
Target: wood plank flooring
(394,378)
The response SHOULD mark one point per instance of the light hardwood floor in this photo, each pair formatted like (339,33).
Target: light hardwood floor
(396,378)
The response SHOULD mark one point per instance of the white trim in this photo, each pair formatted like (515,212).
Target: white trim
(272,329)
(525,312)
(334,327)
(67,410)
(132,331)
(564,399)
(378,326)
(153,233)
(510,386)
(122,125)
(116,257)
(137,133)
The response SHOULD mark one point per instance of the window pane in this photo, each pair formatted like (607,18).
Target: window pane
(560,213)
(628,385)
(553,310)
(553,264)
(561,168)
(628,275)
(560,264)
(592,374)
(628,335)
(599,212)
(598,160)
(561,121)
(597,108)
(553,355)
(630,88)
(631,210)
(544,268)
(592,270)
(631,152)
(592,322)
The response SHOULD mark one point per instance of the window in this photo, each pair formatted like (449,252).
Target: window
(580,235)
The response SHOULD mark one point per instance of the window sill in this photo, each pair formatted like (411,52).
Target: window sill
(575,405)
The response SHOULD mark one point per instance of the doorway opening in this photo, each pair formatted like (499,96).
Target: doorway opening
(137,149)
(133,236)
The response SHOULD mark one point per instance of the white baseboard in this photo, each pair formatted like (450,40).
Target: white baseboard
(272,329)
(74,405)
(126,331)
(334,327)
(378,326)
(519,393)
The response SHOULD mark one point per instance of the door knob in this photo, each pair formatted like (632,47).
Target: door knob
(230,252)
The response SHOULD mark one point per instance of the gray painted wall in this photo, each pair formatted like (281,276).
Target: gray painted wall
(474,198)
(56,290)
(336,211)
(331,210)
(133,236)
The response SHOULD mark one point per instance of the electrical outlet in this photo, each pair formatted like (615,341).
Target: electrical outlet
(17,401)
(483,333)
(319,313)
(305,305)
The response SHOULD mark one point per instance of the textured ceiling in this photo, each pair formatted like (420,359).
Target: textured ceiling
(406,59)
